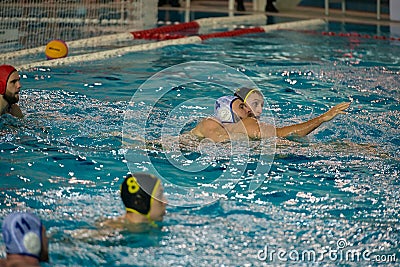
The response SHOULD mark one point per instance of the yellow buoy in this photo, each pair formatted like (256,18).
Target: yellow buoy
(56,49)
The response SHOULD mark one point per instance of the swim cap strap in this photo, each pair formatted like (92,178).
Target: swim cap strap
(249,93)
(153,193)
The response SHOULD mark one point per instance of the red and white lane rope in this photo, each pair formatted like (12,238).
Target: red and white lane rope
(184,33)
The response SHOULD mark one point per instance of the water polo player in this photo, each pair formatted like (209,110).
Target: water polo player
(144,201)
(226,125)
(143,197)
(253,98)
(228,110)
(10,87)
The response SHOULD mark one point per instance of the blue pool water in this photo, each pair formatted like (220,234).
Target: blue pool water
(334,192)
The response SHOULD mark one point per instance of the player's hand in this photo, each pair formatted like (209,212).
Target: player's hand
(336,110)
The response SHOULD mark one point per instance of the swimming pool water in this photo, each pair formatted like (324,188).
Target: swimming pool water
(336,189)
